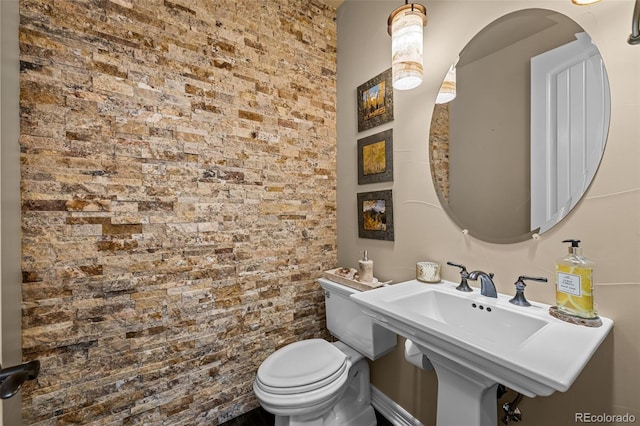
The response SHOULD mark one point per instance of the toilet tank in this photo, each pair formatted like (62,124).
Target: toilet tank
(346,321)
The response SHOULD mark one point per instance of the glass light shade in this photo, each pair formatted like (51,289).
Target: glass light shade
(584,2)
(405,27)
(447,91)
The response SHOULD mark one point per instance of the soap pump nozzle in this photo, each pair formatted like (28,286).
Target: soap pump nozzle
(366,256)
(574,248)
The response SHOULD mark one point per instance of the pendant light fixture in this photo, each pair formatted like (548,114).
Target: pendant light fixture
(634,38)
(447,91)
(405,27)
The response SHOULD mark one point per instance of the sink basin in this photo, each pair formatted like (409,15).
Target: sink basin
(476,342)
(475,317)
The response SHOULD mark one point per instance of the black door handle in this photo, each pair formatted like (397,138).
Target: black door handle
(12,378)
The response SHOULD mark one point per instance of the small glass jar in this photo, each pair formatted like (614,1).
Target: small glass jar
(428,272)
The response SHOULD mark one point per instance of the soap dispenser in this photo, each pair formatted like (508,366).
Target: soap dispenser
(365,269)
(574,283)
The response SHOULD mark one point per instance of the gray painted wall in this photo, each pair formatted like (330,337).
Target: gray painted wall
(606,220)
(10,205)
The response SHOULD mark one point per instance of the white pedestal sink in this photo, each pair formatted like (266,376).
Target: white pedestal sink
(476,342)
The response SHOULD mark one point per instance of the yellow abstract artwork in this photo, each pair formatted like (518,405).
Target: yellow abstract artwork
(374,158)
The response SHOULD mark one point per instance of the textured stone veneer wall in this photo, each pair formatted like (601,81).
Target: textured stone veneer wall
(439,148)
(178,181)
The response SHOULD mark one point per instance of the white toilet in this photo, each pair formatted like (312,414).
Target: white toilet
(314,382)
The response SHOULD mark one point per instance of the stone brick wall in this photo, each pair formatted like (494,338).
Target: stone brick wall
(439,149)
(178,201)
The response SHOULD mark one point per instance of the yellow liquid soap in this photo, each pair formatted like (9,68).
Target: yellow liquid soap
(574,284)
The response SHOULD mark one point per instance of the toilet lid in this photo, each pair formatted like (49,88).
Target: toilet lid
(301,367)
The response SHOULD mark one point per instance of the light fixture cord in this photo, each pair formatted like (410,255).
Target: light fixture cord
(634,38)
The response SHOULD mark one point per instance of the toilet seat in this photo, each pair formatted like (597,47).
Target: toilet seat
(303,379)
(302,367)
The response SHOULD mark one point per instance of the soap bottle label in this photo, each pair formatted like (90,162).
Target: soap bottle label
(569,283)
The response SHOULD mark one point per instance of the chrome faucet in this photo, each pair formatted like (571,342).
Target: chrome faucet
(519,298)
(464,285)
(487,287)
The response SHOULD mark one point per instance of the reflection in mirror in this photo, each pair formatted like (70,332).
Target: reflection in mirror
(517,148)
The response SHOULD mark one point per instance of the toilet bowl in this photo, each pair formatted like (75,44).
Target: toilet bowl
(314,382)
(306,383)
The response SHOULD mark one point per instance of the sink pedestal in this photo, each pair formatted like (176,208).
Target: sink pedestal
(475,342)
(464,396)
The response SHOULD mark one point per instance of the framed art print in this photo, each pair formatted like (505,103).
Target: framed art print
(375,215)
(375,158)
(375,101)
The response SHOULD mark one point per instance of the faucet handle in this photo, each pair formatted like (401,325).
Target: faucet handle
(519,298)
(525,277)
(464,285)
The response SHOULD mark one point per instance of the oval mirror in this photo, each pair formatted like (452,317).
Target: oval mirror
(518,146)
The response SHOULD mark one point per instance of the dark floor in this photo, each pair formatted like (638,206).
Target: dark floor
(259,417)
(382,421)
(255,417)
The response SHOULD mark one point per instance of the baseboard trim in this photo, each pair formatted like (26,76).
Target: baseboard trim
(391,410)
